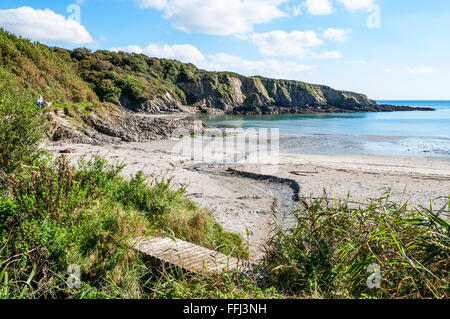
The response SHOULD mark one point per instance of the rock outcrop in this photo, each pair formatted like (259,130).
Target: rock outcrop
(165,103)
(234,94)
(114,125)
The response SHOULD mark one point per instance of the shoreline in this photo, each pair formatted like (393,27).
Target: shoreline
(248,206)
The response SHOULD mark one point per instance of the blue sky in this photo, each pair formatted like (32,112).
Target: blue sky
(387,49)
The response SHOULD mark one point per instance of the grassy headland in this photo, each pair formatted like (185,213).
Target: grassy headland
(136,82)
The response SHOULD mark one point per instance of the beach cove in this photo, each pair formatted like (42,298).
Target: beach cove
(249,207)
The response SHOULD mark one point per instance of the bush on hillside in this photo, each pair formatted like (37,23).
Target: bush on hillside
(21,126)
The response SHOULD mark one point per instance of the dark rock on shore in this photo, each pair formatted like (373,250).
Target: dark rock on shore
(325,109)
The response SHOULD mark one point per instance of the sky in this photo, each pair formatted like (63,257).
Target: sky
(387,49)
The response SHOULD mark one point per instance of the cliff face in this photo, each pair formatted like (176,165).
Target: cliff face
(233,93)
(109,124)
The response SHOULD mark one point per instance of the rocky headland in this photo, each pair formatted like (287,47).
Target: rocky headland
(229,93)
(103,96)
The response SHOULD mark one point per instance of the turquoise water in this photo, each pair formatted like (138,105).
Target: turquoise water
(386,133)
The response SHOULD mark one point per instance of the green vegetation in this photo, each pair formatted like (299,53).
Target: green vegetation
(224,86)
(312,90)
(21,126)
(42,70)
(85,105)
(328,252)
(252,99)
(53,215)
(260,86)
(82,76)
(132,79)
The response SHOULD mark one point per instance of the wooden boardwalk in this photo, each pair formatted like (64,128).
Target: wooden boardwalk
(190,257)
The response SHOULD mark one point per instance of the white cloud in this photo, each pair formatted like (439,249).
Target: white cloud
(281,43)
(43,25)
(419,70)
(182,52)
(218,17)
(329,55)
(355,5)
(318,7)
(338,35)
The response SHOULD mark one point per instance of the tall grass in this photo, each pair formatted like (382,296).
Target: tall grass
(21,126)
(330,250)
(53,215)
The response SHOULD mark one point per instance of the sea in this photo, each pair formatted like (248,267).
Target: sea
(416,133)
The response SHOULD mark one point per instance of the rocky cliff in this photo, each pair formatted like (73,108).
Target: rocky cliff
(143,84)
(231,93)
(236,94)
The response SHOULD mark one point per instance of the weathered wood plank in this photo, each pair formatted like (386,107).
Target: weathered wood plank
(188,256)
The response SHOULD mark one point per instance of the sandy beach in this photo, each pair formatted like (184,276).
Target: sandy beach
(249,206)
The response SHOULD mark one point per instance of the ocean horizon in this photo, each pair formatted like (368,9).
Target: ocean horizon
(416,133)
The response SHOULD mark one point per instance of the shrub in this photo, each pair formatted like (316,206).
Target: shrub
(54,215)
(328,251)
(21,127)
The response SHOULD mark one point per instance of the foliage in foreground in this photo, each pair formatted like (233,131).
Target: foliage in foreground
(334,251)
(56,215)
(53,215)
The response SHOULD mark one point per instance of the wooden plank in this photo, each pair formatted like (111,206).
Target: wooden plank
(188,256)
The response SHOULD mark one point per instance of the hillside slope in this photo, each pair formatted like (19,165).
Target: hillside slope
(144,84)
(43,70)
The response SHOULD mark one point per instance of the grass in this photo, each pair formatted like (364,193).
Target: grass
(85,105)
(54,215)
(331,248)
